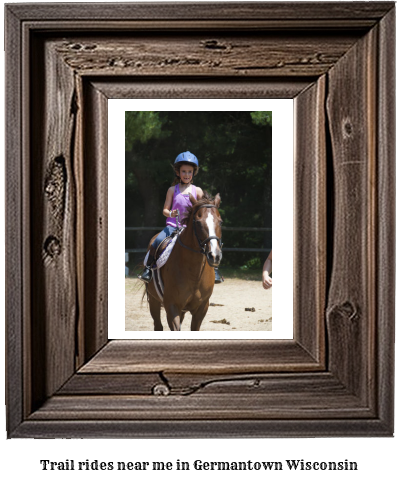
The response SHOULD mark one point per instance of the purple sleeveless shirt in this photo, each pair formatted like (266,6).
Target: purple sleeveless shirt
(180,202)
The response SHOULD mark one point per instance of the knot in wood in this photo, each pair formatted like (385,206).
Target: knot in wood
(52,246)
(161,390)
(50,189)
(346,312)
(213,44)
(349,310)
(54,186)
(347,128)
(90,47)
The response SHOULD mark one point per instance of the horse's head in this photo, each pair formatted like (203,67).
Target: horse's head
(207,225)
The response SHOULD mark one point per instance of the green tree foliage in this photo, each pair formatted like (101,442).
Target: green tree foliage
(262,118)
(140,127)
(234,150)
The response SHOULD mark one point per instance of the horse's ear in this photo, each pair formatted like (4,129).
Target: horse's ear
(217,200)
(192,199)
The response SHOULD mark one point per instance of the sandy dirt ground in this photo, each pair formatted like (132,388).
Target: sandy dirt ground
(226,311)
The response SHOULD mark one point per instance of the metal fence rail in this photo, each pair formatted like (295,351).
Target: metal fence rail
(225,249)
(139,251)
(225,229)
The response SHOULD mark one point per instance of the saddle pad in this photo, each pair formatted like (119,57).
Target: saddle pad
(162,259)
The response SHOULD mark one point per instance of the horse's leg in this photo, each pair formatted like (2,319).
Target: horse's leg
(199,315)
(155,310)
(173,316)
(182,314)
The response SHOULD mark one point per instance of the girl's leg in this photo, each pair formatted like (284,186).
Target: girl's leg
(166,232)
(146,275)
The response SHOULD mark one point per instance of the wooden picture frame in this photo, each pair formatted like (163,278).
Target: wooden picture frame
(335,378)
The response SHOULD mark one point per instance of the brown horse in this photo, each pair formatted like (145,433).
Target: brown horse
(188,275)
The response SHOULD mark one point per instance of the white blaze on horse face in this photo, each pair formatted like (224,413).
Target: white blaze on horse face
(211,227)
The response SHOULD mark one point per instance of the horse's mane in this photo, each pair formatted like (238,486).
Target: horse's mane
(206,199)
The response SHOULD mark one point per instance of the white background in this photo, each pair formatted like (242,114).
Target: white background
(282,213)
(377,457)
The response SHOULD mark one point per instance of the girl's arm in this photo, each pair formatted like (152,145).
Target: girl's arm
(168,203)
(200,193)
(267,269)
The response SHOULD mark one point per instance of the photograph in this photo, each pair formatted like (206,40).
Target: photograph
(198,221)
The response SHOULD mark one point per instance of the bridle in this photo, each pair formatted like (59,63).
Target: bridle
(204,242)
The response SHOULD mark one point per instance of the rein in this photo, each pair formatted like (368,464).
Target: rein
(204,242)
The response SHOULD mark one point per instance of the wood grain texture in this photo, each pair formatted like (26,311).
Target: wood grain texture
(351,305)
(77,155)
(207,11)
(185,384)
(112,384)
(15,235)
(95,221)
(310,200)
(200,356)
(278,396)
(144,87)
(385,245)
(335,377)
(53,213)
(341,26)
(208,407)
(191,428)
(242,55)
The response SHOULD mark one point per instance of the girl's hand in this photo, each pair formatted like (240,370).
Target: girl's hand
(267,280)
(173,213)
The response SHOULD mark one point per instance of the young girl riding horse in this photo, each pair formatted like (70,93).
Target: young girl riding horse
(177,202)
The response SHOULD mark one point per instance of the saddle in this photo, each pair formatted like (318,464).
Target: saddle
(162,246)
(164,250)
(162,254)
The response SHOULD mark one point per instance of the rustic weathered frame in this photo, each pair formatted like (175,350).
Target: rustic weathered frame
(64,379)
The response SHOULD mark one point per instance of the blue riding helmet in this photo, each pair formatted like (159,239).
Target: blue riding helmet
(187,157)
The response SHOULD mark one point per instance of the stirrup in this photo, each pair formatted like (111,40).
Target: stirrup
(146,276)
